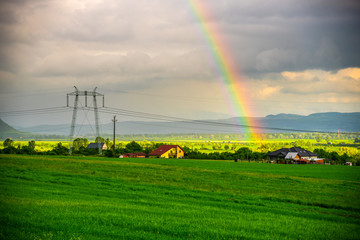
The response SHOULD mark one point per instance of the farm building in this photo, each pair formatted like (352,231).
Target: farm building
(133,155)
(96,145)
(168,151)
(295,155)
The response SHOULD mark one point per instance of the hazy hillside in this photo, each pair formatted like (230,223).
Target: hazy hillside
(332,122)
(7,131)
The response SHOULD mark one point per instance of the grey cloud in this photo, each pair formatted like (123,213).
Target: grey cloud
(294,26)
(275,60)
(134,67)
(328,53)
(268,36)
(144,44)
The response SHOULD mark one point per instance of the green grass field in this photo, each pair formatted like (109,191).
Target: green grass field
(58,197)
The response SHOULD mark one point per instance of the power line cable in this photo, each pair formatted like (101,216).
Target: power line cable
(164,117)
(144,115)
(35,111)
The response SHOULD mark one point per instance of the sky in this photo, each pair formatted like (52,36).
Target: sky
(297,57)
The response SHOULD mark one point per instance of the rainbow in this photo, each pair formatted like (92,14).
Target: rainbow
(230,80)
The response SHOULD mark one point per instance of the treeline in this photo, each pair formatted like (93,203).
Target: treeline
(242,153)
(79,147)
(247,154)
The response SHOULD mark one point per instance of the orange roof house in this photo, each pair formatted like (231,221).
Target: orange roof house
(168,151)
(133,155)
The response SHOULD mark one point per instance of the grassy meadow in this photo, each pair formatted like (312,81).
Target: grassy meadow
(60,197)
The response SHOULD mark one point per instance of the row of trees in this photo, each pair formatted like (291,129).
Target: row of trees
(243,153)
(79,148)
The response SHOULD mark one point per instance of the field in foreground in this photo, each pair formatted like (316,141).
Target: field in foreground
(58,197)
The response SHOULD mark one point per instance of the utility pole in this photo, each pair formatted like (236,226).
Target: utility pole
(114,121)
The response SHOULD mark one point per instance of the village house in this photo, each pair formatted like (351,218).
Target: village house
(133,155)
(168,151)
(294,155)
(96,145)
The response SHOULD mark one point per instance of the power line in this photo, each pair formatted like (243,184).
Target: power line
(35,111)
(151,116)
(162,126)
(130,113)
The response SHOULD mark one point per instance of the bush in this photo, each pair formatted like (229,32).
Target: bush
(10,150)
(108,153)
(8,142)
(27,150)
(59,149)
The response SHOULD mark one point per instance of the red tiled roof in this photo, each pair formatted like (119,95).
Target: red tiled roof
(163,149)
(135,154)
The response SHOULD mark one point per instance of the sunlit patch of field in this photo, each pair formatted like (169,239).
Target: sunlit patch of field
(96,198)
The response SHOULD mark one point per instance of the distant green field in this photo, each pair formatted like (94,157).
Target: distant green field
(58,197)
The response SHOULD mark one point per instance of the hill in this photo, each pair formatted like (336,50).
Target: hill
(7,131)
(330,122)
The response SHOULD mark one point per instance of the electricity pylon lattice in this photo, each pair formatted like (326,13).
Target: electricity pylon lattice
(93,94)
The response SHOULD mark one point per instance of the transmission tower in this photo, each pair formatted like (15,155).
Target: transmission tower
(93,94)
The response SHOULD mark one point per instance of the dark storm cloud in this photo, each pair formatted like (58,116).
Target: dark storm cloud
(158,45)
(292,35)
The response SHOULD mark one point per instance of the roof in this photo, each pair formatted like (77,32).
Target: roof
(163,149)
(95,145)
(291,155)
(135,154)
(285,151)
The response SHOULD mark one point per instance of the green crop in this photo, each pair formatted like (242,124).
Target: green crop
(45,197)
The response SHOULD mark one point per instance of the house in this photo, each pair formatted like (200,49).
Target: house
(295,155)
(291,153)
(168,151)
(96,145)
(133,155)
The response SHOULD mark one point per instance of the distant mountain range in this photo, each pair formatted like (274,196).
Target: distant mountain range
(328,122)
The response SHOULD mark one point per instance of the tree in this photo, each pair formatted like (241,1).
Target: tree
(80,142)
(26,150)
(8,142)
(10,150)
(59,149)
(321,153)
(108,143)
(318,138)
(243,153)
(99,139)
(31,145)
(133,147)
